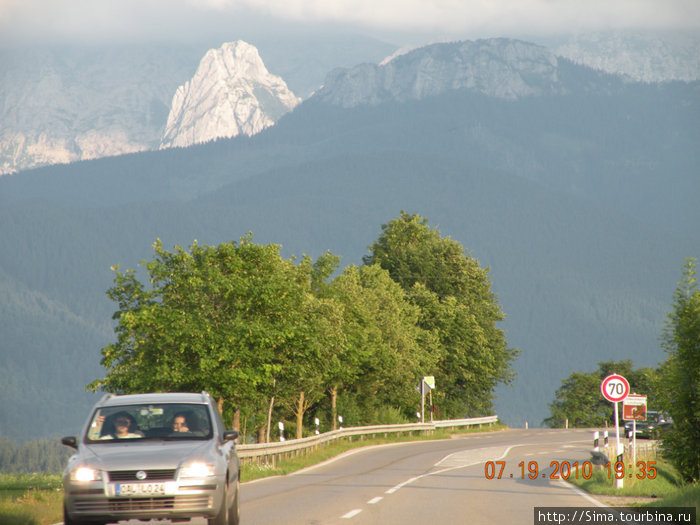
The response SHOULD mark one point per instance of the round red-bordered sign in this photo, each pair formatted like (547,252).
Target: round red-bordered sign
(615,388)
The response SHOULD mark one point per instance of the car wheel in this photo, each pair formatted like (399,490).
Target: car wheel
(233,514)
(222,517)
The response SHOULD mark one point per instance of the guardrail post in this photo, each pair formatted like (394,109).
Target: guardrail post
(266,453)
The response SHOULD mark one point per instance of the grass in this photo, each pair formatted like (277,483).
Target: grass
(667,487)
(30,499)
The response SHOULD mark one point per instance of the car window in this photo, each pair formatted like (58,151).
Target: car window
(155,421)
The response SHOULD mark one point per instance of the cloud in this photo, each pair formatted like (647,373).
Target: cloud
(180,19)
(463,15)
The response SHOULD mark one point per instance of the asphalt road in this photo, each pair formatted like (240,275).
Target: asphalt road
(427,482)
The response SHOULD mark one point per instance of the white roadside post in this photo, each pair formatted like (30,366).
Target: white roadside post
(281,427)
(616,388)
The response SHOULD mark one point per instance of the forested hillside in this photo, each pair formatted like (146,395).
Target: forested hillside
(583,205)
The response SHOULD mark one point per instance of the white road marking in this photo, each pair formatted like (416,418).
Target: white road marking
(469,458)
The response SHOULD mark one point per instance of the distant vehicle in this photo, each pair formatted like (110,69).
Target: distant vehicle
(652,428)
(152,456)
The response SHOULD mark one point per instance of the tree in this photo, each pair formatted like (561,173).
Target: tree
(681,340)
(384,351)
(456,304)
(221,319)
(580,402)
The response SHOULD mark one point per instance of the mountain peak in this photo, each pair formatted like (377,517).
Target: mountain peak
(499,67)
(231,93)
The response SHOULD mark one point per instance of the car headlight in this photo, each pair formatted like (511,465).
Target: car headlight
(85,474)
(197,469)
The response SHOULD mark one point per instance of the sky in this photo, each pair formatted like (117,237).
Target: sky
(398,21)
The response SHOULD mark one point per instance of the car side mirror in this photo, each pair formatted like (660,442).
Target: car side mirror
(70,441)
(230,435)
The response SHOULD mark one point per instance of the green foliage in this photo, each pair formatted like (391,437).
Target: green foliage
(456,306)
(236,320)
(681,339)
(580,402)
(384,350)
(269,337)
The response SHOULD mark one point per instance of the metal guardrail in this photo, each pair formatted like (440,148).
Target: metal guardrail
(270,452)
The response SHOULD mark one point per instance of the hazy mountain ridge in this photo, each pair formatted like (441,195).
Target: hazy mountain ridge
(65,104)
(642,56)
(501,68)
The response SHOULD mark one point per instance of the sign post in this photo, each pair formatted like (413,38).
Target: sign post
(634,408)
(429,383)
(616,388)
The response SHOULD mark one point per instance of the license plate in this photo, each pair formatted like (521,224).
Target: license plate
(139,489)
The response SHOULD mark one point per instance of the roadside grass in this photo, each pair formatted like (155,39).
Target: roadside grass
(667,487)
(30,499)
(688,496)
(666,482)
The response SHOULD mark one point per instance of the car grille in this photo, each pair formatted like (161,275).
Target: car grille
(151,475)
(194,502)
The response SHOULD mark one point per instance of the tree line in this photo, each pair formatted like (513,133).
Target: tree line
(274,338)
(673,387)
(32,456)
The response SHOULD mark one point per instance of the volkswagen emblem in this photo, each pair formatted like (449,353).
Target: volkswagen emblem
(141,475)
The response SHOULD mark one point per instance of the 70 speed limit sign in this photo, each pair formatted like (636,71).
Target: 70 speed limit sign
(614,388)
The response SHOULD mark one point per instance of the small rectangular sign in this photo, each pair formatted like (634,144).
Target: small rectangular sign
(635,399)
(634,408)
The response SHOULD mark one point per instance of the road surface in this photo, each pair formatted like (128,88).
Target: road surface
(428,482)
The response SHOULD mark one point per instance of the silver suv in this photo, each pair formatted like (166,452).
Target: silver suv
(152,456)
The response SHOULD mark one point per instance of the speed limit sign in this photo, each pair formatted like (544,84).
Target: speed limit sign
(614,388)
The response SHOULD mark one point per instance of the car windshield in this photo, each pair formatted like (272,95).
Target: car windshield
(155,421)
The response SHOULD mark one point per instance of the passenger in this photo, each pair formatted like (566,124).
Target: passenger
(119,426)
(125,427)
(180,423)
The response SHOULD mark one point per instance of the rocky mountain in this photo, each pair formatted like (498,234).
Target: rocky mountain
(502,68)
(231,93)
(62,104)
(66,103)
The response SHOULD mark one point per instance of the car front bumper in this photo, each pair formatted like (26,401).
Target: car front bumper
(184,499)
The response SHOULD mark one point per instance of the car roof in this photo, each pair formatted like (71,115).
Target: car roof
(161,397)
